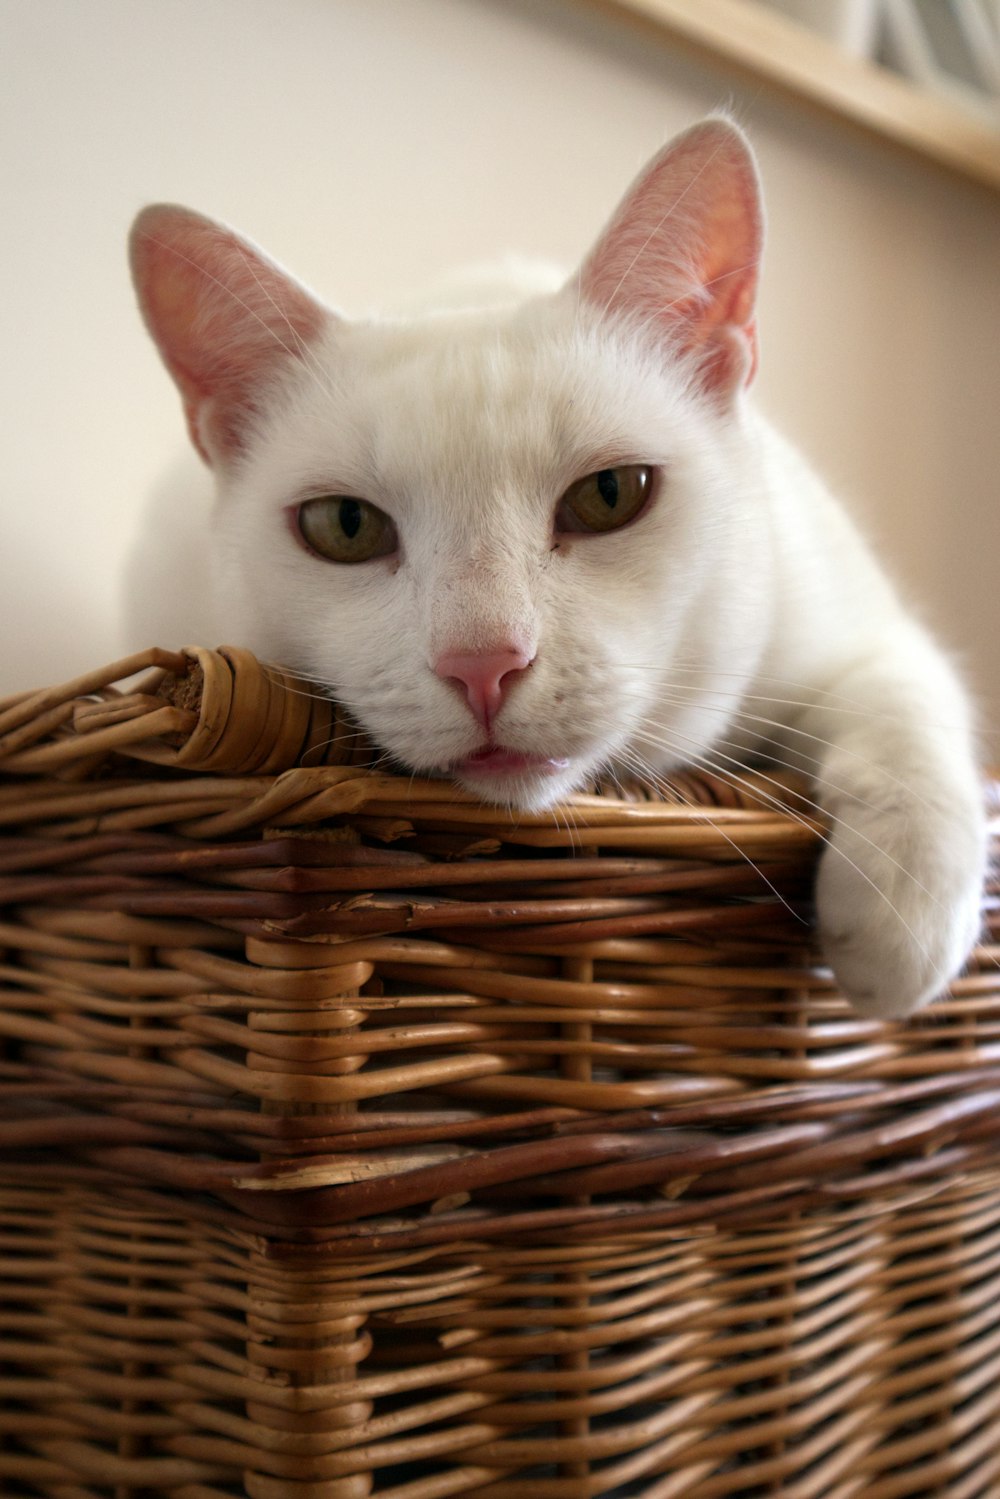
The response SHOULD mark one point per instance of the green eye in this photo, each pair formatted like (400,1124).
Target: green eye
(344,529)
(606,500)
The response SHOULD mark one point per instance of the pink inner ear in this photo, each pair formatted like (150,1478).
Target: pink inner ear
(683,252)
(224,317)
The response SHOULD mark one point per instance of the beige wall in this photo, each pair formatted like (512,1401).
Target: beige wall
(371,143)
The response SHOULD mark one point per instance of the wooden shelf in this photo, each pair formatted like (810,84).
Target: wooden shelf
(766,46)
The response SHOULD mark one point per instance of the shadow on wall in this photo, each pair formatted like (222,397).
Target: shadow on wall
(166,585)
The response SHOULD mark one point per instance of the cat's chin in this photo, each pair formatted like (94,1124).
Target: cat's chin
(508,778)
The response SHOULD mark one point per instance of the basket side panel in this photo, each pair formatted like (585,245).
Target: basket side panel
(152,1346)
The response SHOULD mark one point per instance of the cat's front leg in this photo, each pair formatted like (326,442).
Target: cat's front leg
(899,886)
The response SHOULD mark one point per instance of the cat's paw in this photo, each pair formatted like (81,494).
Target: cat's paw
(898,902)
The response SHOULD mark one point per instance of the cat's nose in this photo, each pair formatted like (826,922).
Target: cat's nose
(485,677)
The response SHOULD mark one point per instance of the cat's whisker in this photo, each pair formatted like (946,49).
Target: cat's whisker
(386,759)
(758,769)
(657,784)
(780,803)
(341,737)
(562,812)
(820,698)
(778,762)
(657,737)
(767,800)
(812,703)
(608,770)
(286,686)
(786,729)
(694,666)
(768,754)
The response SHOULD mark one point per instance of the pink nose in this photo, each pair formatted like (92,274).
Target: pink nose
(485,676)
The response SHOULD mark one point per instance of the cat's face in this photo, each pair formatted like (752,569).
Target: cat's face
(466,431)
(491,533)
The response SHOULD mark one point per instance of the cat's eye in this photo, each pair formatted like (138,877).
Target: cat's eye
(606,500)
(344,529)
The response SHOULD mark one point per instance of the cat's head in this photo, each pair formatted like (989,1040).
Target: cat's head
(501,536)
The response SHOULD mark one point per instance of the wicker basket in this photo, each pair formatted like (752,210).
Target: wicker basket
(358,1140)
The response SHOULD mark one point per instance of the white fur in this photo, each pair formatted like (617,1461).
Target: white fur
(740,613)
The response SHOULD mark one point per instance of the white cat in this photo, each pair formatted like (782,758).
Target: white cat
(530,538)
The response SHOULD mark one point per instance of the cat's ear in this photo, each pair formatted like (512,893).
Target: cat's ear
(682,254)
(225,319)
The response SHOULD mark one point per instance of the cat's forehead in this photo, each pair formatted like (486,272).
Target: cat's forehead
(532,395)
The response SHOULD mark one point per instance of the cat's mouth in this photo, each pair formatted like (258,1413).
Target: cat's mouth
(494,759)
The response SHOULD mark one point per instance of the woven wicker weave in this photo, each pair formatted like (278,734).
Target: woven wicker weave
(358,1140)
